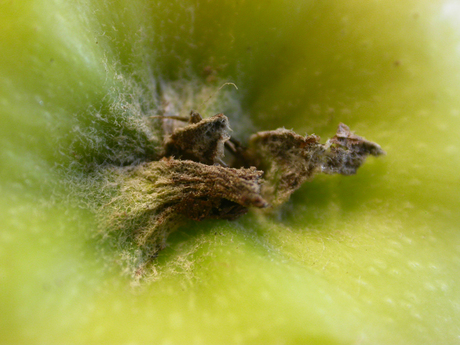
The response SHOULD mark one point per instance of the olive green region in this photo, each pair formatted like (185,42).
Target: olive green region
(370,259)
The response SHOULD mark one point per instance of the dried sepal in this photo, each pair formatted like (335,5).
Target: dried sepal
(200,142)
(154,198)
(289,159)
(346,152)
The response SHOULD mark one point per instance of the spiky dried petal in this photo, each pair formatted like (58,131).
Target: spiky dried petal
(289,159)
(155,197)
(200,142)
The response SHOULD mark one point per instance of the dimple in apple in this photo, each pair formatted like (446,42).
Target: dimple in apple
(191,180)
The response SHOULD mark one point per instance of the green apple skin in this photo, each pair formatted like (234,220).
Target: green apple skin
(369,259)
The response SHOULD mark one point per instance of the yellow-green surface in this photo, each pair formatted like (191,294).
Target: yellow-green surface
(368,259)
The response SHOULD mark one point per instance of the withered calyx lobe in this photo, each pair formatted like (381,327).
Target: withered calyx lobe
(192,181)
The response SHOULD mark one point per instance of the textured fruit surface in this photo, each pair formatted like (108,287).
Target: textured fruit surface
(371,258)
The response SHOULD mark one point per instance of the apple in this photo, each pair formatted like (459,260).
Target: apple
(371,258)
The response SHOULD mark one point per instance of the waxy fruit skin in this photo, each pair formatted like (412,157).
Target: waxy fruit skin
(371,258)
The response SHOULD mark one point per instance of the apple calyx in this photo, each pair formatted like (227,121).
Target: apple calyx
(191,180)
(289,159)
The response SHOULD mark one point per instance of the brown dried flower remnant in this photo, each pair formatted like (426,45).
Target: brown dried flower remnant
(346,152)
(202,141)
(156,196)
(289,159)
